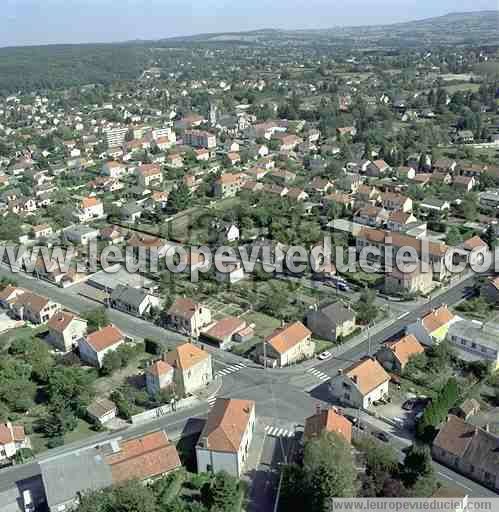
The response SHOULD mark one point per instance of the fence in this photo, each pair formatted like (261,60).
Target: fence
(164,410)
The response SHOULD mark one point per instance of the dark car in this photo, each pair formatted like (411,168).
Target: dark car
(408,405)
(382,437)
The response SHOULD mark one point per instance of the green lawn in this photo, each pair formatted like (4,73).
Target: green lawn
(264,324)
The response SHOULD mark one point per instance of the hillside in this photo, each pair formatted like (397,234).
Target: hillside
(59,66)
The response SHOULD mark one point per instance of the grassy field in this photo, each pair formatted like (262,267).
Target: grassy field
(451,89)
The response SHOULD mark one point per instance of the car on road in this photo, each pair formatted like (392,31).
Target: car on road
(324,355)
(382,437)
(408,405)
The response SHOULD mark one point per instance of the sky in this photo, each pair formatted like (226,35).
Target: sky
(26,22)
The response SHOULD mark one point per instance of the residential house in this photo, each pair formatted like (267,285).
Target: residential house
(361,384)
(112,462)
(411,280)
(466,409)
(95,346)
(297,194)
(23,205)
(437,254)
(42,231)
(377,168)
(321,185)
(192,368)
(286,345)
(81,234)
(225,440)
(34,308)
(464,183)
(282,176)
(90,208)
(229,270)
(392,201)
(398,220)
(65,329)
(102,410)
(159,376)
(228,185)
(9,294)
(433,327)
(408,173)
(490,290)
(373,216)
(444,165)
(223,331)
(12,439)
(112,235)
(134,301)
(114,169)
(394,355)
(149,175)
(435,205)
(175,160)
(331,322)
(144,458)
(469,450)
(475,341)
(327,420)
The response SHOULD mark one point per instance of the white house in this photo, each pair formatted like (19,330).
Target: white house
(361,384)
(12,439)
(95,346)
(65,329)
(90,208)
(192,368)
(225,440)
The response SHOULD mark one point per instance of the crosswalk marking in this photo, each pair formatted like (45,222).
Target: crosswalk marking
(317,373)
(230,369)
(211,401)
(278,432)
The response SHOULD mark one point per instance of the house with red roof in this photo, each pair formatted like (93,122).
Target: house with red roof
(95,346)
(12,439)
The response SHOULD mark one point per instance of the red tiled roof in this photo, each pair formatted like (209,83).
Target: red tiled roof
(106,337)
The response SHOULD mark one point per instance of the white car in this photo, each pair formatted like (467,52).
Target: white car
(324,355)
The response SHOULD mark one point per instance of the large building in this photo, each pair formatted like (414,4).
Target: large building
(225,440)
(115,136)
(200,139)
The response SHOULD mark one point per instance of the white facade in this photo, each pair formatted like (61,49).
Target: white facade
(92,356)
(213,460)
(346,391)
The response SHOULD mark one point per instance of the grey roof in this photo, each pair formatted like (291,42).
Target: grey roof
(128,295)
(484,334)
(335,313)
(66,476)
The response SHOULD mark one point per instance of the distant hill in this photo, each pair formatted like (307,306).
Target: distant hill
(479,27)
(60,66)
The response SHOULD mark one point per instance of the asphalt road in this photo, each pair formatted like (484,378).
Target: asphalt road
(278,394)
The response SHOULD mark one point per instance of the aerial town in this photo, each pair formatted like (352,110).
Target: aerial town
(156,368)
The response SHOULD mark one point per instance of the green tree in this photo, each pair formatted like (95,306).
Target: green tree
(179,198)
(365,307)
(222,493)
(96,319)
(329,465)
(112,361)
(453,236)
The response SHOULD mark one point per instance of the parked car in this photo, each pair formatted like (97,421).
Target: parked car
(408,405)
(382,437)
